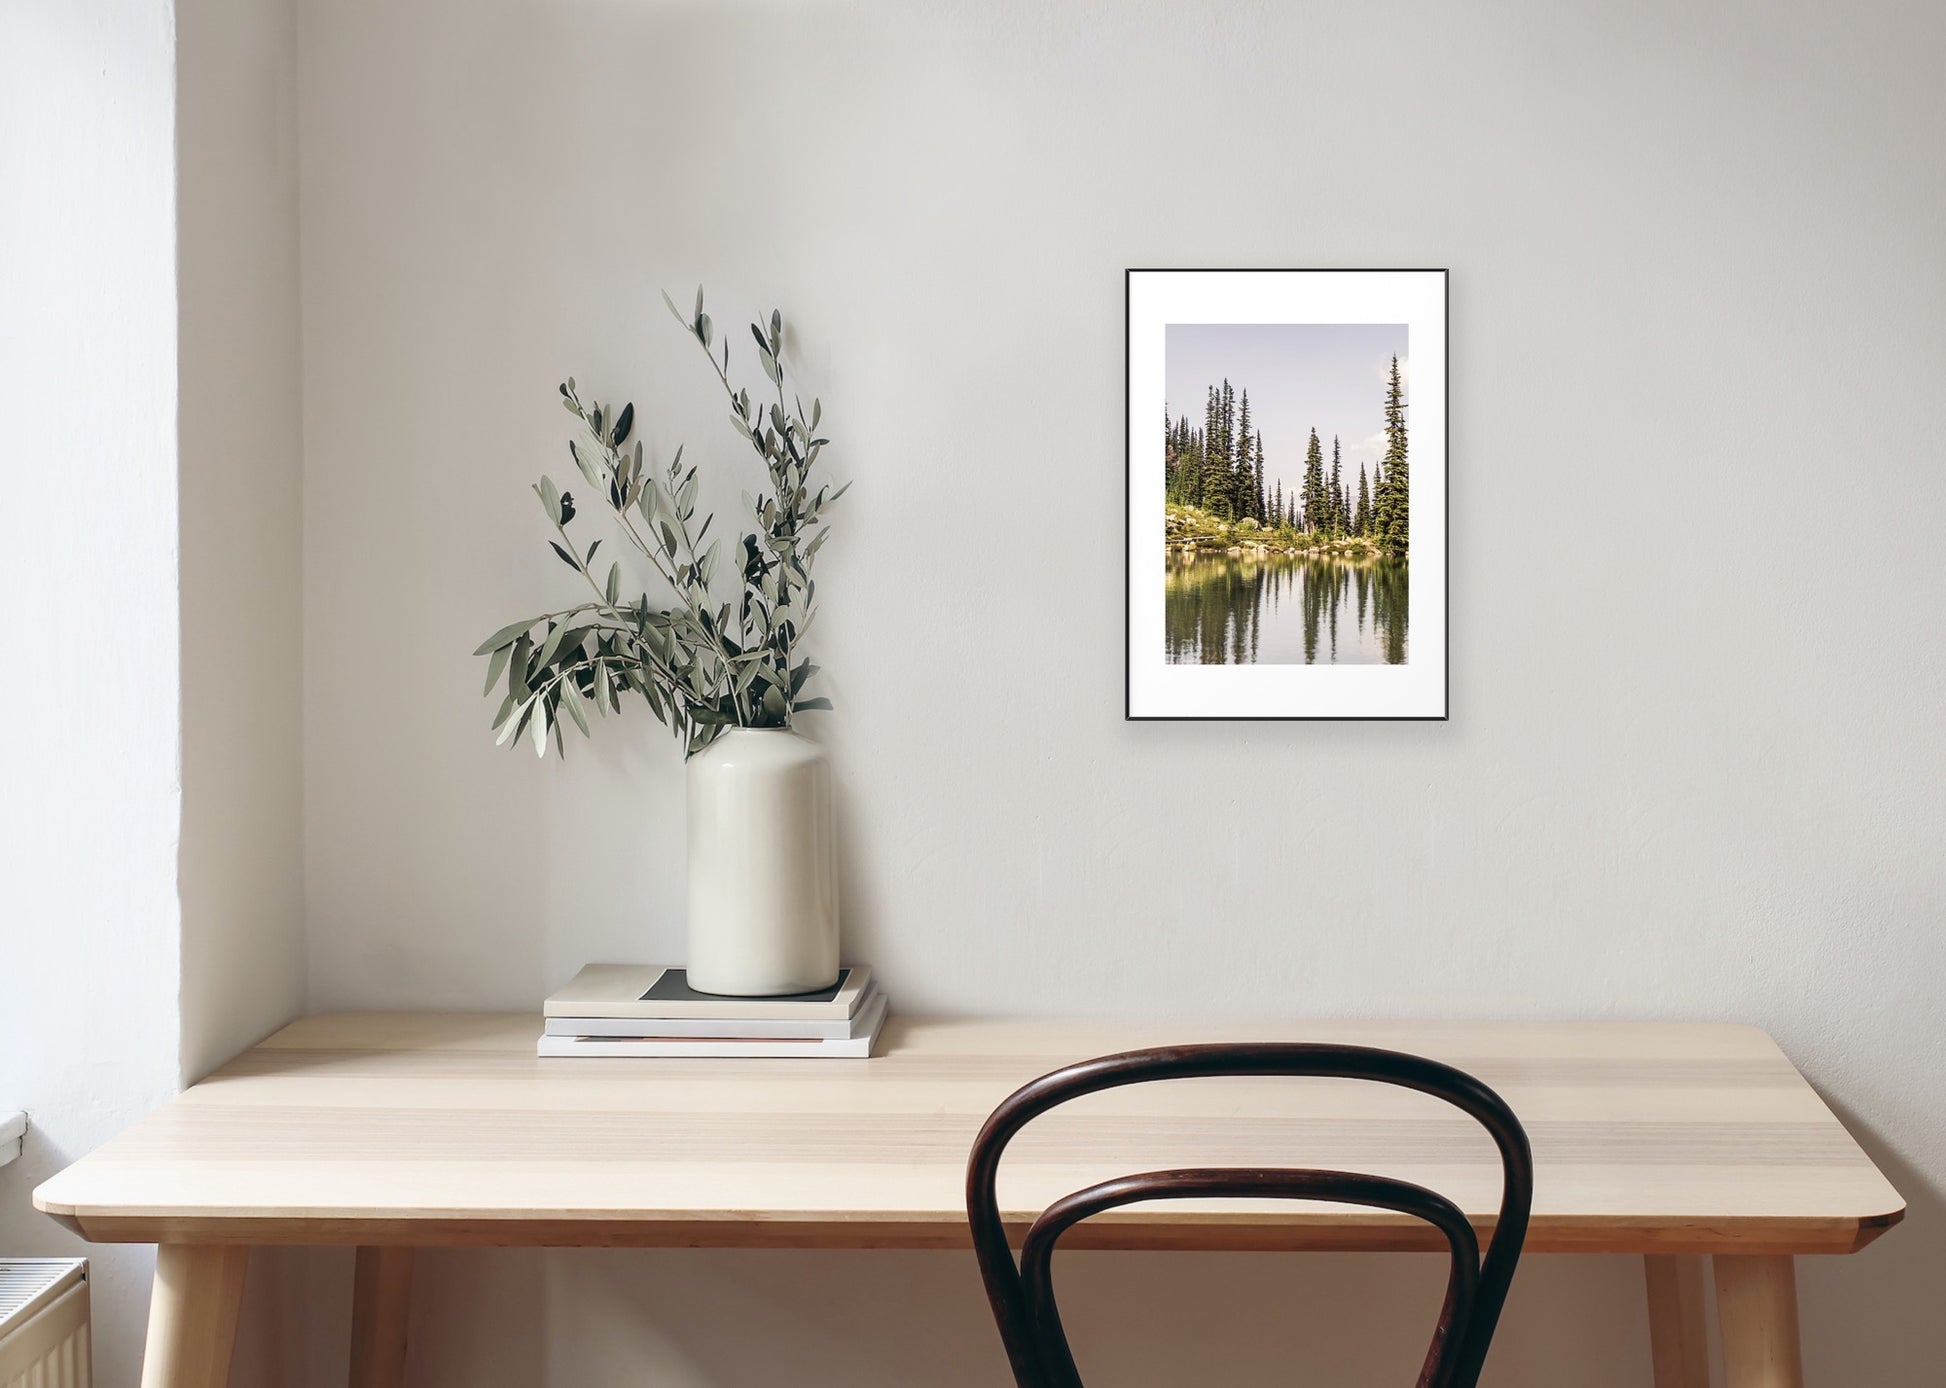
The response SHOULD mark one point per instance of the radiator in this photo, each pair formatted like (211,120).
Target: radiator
(44,1323)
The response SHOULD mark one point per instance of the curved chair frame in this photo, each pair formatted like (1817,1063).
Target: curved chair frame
(1476,1289)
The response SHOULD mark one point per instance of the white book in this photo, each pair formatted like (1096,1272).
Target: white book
(724,1047)
(641,1029)
(658,992)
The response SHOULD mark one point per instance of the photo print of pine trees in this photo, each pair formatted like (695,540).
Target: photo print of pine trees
(1297,553)
(1287,494)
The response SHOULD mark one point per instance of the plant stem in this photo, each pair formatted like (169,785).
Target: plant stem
(610,460)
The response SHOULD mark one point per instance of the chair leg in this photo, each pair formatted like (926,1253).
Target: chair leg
(1756,1312)
(1678,1332)
(192,1315)
(381,1303)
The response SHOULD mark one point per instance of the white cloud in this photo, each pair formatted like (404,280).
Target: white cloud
(1366,450)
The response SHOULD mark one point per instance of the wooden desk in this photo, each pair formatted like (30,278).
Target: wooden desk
(395,1131)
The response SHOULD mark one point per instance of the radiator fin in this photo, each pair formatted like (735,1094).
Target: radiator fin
(44,1323)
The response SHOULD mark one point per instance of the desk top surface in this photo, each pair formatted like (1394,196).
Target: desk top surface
(428,1128)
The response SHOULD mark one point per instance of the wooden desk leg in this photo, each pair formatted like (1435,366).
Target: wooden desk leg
(1756,1311)
(1678,1332)
(192,1316)
(381,1303)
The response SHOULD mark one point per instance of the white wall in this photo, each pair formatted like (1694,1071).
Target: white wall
(1694,763)
(88,791)
(150,806)
(242,860)
(242,687)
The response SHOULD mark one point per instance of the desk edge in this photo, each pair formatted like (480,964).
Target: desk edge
(1557,1235)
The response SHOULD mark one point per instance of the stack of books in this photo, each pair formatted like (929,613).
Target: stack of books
(650,1010)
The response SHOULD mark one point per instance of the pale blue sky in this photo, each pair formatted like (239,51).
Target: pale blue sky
(1328,376)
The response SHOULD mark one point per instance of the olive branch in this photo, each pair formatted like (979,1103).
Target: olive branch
(702,665)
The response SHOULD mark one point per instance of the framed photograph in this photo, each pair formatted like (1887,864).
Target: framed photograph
(1287,494)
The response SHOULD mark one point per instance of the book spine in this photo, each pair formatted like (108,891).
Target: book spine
(636,1028)
(565,1047)
(749,1011)
(870,1022)
(845,1014)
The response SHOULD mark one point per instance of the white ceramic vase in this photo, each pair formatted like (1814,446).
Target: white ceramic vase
(763,869)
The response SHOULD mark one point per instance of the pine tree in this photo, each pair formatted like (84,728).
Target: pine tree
(1171,462)
(1227,451)
(1189,481)
(1394,501)
(1314,503)
(1337,488)
(1247,501)
(1216,481)
(1361,521)
(1263,499)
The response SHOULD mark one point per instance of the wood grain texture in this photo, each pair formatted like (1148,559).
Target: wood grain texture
(381,1307)
(423,1129)
(1678,1321)
(1756,1316)
(193,1309)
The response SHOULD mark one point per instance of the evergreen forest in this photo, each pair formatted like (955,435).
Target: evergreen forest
(1219,489)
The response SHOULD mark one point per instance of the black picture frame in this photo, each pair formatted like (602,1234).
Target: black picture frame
(1444,472)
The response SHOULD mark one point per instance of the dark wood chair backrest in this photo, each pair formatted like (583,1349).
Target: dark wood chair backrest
(1476,1288)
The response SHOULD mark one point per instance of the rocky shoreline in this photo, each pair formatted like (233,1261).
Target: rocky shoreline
(1262,549)
(1188,532)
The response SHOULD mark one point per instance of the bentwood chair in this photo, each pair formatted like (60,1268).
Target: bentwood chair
(1476,1288)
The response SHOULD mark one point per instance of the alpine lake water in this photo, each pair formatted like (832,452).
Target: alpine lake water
(1283,609)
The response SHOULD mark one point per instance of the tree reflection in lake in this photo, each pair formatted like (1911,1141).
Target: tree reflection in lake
(1227,609)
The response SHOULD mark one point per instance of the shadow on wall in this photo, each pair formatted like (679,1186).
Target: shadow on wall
(858,908)
(715,1319)
(296,1319)
(1869,1306)
(474,1321)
